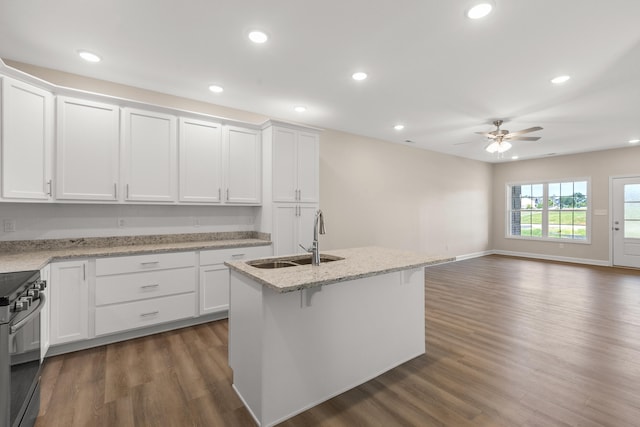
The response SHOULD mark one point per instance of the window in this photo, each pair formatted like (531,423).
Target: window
(549,210)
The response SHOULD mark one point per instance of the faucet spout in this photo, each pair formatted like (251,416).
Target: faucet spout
(318,228)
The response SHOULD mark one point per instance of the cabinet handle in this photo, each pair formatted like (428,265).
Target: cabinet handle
(237,255)
(151,313)
(227,194)
(149,263)
(115,191)
(50,188)
(220,194)
(155,285)
(84,272)
(127,191)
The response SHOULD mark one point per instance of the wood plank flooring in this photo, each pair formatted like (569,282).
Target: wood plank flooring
(510,342)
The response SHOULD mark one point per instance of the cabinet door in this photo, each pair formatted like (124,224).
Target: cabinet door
(306,219)
(69,302)
(285,226)
(200,161)
(214,288)
(285,181)
(308,167)
(149,156)
(27,129)
(243,158)
(45,313)
(88,137)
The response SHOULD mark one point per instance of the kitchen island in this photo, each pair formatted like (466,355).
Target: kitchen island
(301,334)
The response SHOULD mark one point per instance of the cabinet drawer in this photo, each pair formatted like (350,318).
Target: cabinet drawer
(137,263)
(136,286)
(140,314)
(218,256)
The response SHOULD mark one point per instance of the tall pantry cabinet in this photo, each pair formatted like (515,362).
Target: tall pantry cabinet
(294,186)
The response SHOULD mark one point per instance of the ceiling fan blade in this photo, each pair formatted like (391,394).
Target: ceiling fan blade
(525,138)
(487,134)
(520,132)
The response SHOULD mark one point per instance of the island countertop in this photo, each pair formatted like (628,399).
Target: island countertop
(357,263)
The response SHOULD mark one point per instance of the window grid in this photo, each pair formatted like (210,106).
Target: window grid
(564,216)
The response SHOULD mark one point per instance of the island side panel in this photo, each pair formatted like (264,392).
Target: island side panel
(322,341)
(245,341)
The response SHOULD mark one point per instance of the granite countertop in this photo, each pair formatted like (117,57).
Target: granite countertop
(35,254)
(357,263)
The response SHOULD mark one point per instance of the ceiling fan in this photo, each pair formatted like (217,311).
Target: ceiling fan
(500,137)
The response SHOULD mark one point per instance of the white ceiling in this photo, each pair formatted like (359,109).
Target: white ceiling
(440,74)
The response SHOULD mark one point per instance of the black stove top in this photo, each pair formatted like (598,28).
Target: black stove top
(12,284)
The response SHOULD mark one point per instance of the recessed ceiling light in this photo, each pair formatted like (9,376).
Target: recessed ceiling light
(216,89)
(89,56)
(480,10)
(560,79)
(398,127)
(300,109)
(359,75)
(634,141)
(258,36)
(514,157)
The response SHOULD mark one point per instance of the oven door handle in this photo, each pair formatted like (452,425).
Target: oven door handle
(17,326)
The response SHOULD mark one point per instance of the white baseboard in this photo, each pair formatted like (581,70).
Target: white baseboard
(474,255)
(597,262)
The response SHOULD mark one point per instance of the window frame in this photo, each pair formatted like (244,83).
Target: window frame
(545,211)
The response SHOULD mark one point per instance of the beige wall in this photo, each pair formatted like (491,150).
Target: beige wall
(599,166)
(378,193)
(372,192)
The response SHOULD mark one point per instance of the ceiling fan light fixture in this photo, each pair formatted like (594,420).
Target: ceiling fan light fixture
(498,147)
(479,10)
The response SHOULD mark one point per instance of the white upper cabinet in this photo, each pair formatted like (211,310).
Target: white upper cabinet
(87,148)
(295,166)
(200,145)
(27,133)
(243,164)
(149,156)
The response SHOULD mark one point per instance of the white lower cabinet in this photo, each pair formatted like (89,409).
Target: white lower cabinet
(143,290)
(214,275)
(69,306)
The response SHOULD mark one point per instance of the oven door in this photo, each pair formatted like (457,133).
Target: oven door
(24,359)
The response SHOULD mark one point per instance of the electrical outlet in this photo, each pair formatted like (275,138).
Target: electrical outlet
(121,222)
(9,225)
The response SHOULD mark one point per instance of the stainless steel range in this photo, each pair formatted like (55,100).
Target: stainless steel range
(20,303)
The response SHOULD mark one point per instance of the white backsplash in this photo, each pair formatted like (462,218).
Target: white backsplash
(56,221)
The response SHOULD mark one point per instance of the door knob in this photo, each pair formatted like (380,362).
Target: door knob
(616,228)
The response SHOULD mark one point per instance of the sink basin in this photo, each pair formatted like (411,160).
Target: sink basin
(291,261)
(272,264)
(306,260)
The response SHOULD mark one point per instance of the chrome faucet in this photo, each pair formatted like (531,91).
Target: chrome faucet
(318,228)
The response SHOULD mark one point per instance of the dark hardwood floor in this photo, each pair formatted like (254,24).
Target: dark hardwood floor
(510,342)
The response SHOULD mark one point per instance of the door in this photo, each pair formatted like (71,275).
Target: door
(200,161)
(626,222)
(27,131)
(214,288)
(87,150)
(243,154)
(150,156)
(308,164)
(69,303)
(285,179)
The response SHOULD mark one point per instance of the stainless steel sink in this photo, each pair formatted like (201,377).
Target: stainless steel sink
(291,261)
